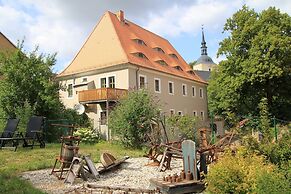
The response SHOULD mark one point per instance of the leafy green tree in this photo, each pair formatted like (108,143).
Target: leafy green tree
(264,117)
(257,65)
(192,64)
(130,120)
(27,80)
(186,126)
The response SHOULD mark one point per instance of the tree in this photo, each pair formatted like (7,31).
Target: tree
(191,64)
(131,118)
(257,65)
(27,80)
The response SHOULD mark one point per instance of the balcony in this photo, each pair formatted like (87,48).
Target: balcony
(101,94)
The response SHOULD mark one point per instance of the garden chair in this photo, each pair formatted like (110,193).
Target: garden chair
(8,134)
(34,132)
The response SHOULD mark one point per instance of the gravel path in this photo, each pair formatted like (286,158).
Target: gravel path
(133,173)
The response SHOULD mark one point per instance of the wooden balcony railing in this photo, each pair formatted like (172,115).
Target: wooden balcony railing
(101,94)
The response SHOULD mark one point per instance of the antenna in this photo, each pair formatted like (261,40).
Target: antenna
(79,108)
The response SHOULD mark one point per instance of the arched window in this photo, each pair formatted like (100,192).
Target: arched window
(139,41)
(159,49)
(162,62)
(140,55)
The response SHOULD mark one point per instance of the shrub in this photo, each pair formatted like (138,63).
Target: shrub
(88,135)
(183,127)
(131,119)
(66,117)
(245,173)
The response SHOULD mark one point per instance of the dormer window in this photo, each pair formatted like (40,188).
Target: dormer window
(173,55)
(162,62)
(159,49)
(139,41)
(178,68)
(191,72)
(140,55)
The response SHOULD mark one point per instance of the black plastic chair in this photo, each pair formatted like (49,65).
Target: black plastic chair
(8,135)
(34,132)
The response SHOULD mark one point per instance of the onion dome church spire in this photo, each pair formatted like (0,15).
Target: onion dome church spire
(203,44)
(204,62)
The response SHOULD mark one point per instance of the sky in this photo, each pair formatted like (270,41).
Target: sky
(62,26)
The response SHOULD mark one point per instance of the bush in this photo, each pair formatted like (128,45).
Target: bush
(87,135)
(183,127)
(245,173)
(66,117)
(131,119)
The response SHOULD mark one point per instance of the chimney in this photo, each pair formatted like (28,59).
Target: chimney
(120,16)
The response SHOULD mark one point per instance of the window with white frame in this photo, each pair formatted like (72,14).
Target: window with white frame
(193,91)
(157,85)
(70,90)
(142,81)
(184,89)
(103,82)
(172,112)
(195,113)
(171,87)
(202,115)
(180,113)
(111,81)
(201,92)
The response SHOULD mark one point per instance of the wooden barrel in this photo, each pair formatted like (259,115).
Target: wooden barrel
(69,152)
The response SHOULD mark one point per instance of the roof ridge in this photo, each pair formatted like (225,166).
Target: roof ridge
(8,40)
(119,39)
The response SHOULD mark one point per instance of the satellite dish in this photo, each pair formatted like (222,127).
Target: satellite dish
(80,108)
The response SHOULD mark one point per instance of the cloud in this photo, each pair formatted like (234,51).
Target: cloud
(189,18)
(259,5)
(63,26)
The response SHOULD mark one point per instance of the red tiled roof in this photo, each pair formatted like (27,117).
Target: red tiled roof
(127,32)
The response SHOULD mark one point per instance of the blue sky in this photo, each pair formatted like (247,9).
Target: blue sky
(62,26)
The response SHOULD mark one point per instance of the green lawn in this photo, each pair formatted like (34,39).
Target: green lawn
(26,159)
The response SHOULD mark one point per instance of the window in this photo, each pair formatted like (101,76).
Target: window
(103,82)
(103,118)
(184,89)
(70,90)
(171,87)
(157,85)
(172,112)
(142,81)
(159,49)
(201,92)
(139,41)
(84,79)
(191,72)
(202,115)
(140,55)
(178,68)
(180,113)
(195,113)
(173,55)
(209,69)
(111,81)
(162,62)
(193,91)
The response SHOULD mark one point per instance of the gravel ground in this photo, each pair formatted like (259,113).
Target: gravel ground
(134,173)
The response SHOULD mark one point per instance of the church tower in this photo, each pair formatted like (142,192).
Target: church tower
(204,62)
